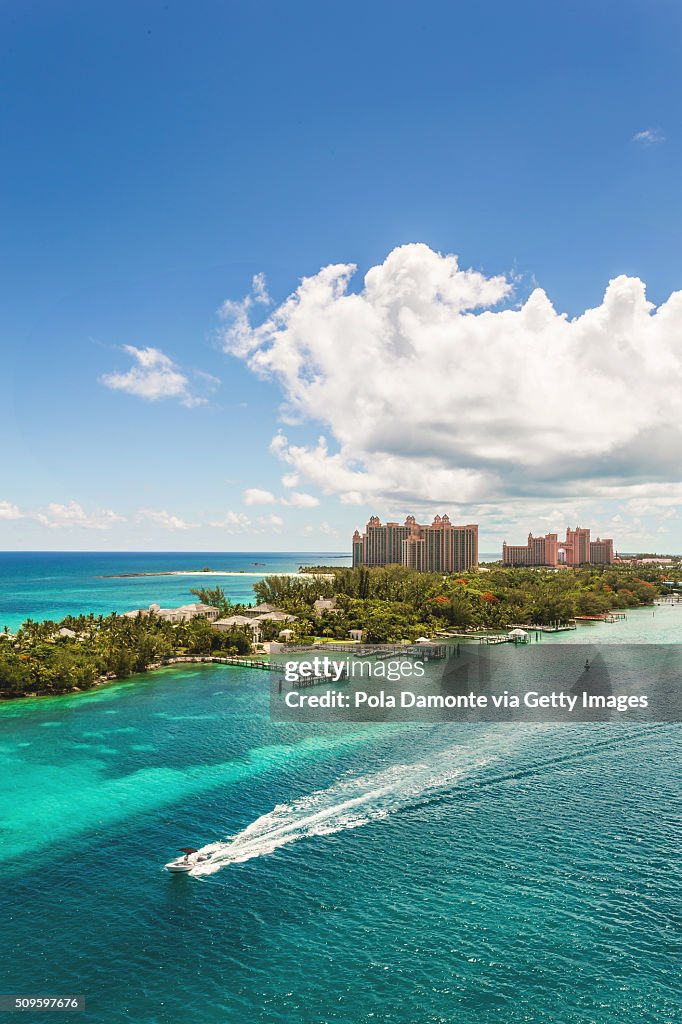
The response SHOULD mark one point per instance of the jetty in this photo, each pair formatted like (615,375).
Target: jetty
(380,651)
(606,617)
(554,627)
(263,664)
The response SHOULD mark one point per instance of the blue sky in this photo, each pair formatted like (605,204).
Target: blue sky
(156,157)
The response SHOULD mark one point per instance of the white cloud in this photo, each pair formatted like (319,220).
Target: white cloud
(256,496)
(9,511)
(324,528)
(431,396)
(649,136)
(240,522)
(154,376)
(238,312)
(232,522)
(297,499)
(56,516)
(290,480)
(300,500)
(260,290)
(163,519)
(271,522)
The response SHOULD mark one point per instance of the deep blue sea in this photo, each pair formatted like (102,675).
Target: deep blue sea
(445,874)
(52,584)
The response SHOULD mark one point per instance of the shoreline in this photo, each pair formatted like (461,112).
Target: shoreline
(189,659)
(198,659)
(211,572)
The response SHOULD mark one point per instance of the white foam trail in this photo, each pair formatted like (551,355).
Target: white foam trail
(356,800)
(349,803)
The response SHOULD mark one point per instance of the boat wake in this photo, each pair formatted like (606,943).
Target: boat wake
(456,772)
(350,802)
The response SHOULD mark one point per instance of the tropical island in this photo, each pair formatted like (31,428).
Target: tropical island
(393,603)
(377,605)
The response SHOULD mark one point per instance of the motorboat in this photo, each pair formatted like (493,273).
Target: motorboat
(183,865)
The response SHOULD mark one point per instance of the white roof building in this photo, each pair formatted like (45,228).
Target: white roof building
(261,609)
(181,614)
(276,616)
(233,620)
(325,604)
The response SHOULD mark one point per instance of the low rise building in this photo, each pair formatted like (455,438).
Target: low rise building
(325,604)
(181,614)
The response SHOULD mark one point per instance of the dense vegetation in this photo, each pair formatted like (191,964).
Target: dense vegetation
(395,603)
(39,660)
(389,605)
(217,598)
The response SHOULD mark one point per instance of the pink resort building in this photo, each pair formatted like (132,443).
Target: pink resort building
(438,547)
(576,549)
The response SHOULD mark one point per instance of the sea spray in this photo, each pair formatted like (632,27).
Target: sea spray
(356,800)
(349,803)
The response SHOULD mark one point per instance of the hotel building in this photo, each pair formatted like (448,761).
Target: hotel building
(438,547)
(576,549)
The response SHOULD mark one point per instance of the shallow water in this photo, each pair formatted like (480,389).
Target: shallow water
(358,873)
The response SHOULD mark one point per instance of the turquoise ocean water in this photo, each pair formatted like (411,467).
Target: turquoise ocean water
(50,585)
(403,874)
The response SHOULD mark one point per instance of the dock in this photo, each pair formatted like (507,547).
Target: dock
(263,664)
(555,627)
(379,651)
(606,617)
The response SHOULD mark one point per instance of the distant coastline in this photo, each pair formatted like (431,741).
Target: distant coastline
(202,572)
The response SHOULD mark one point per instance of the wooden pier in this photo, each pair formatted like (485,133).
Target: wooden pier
(264,665)
(554,628)
(379,651)
(606,617)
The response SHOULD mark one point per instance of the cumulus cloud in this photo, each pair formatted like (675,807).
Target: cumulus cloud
(9,511)
(260,290)
(154,376)
(72,514)
(240,522)
(298,499)
(163,519)
(237,313)
(430,392)
(232,522)
(272,522)
(649,136)
(256,496)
